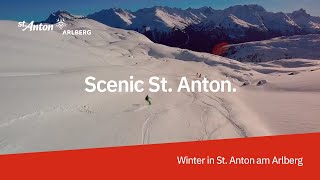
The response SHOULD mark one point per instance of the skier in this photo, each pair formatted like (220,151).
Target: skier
(148,99)
(200,76)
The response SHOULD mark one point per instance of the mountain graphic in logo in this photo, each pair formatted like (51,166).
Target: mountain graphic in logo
(60,24)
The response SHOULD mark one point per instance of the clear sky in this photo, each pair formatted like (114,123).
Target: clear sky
(40,9)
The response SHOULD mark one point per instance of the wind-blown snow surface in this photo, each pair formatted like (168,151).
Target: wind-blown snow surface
(44,105)
(300,46)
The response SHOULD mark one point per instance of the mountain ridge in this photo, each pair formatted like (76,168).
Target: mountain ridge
(200,29)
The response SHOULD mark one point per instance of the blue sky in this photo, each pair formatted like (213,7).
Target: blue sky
(40,9)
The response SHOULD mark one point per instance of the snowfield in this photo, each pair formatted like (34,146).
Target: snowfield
(300,46)
(44,105)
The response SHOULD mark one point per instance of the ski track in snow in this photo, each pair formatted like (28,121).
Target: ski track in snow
(240,130)
(204,124)
(146,128)
(56,109)
(148,123)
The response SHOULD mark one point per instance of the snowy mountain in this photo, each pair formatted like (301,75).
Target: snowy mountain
(307,22)
(114,17)
(244,24)
(299,46)
(155,18)
(54,17)
(201,29)
(44,105)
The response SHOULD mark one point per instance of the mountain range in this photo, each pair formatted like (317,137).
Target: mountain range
(203,28)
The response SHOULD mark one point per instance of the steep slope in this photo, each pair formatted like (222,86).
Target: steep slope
(307,22)
(115,17)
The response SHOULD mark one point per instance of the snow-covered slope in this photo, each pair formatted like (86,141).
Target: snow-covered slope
(114,17)
(304,20)
(300,46)
(60,15)
(155,18)
(236,17)
(44,105)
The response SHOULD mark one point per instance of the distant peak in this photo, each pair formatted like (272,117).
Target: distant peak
(60,14)
(253,7)
(204,8)
(156,8)
(300,12)
(64,14)
(111,10)
(119,10)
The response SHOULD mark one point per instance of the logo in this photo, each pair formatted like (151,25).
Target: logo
(61,24)
(35,27)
